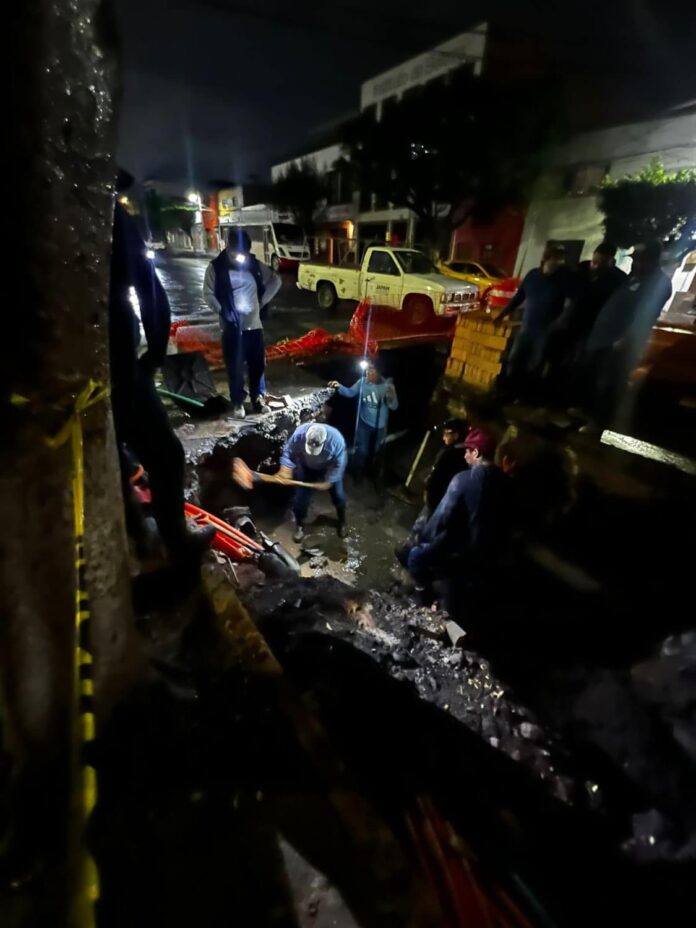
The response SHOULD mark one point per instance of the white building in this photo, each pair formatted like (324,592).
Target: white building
(342,214)
(565,206)
(468,49)
(465,49)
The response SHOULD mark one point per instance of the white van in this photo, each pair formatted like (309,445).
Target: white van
(282,245)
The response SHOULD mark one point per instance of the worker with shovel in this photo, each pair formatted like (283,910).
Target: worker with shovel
(314,458)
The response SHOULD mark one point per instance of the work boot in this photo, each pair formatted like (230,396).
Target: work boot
(238,412)
(298,534)
(259,406)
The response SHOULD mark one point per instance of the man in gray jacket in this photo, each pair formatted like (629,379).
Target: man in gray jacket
(237,286)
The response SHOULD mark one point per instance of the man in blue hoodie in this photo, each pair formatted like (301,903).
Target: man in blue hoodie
(376,397)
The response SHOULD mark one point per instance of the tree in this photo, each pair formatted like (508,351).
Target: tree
(456,152)
(166,214)
(300,190)
(652,204)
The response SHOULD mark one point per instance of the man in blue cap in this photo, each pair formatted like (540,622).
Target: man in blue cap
(237,286)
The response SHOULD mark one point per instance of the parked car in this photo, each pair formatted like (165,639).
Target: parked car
(401,278)
(484,275)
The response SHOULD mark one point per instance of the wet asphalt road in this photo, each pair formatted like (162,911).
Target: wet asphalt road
(293,312)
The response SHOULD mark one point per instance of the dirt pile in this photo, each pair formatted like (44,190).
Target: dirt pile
(409,643)
(604,733)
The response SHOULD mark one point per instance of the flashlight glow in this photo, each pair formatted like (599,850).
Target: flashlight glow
(240,259)
(363,365)
(150,254)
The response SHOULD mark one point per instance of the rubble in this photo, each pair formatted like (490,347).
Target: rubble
(638,723)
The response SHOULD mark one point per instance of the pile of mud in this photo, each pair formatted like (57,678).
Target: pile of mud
(614,739)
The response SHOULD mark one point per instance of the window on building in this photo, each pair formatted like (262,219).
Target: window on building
(382,263)
(334,183)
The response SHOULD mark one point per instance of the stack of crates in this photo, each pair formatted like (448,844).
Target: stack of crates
(477,349)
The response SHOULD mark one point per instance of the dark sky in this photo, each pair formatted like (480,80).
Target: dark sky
(222,88)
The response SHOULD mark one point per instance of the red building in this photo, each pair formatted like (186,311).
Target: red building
(496,242)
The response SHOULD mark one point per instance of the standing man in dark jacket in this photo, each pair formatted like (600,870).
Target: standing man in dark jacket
(238,286)
(542,294)
(621,333)
(595,281)
(140,419)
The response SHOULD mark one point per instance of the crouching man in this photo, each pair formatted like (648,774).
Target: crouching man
(466,525)
(315,453)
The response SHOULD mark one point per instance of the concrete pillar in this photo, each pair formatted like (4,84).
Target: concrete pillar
(64,73)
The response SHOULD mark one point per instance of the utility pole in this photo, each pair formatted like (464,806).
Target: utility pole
(63,80)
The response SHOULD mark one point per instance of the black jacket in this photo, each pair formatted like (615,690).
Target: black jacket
(131,268)
(450,461)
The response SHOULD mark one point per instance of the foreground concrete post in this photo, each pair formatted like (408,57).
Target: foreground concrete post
(63,78)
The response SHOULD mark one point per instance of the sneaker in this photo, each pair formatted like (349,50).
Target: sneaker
(238,412)
(298,534)
(259,406)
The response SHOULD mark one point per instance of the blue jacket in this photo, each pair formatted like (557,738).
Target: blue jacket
(333,458)
(374,401)
(543,296)
(471,514)
(631,312)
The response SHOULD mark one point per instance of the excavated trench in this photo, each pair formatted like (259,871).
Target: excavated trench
(564,769)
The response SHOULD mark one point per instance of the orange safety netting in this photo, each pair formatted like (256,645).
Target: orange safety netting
(371,328)
(203,338)
(315,342)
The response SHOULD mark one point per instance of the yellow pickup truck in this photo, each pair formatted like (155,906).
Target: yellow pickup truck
(401,278)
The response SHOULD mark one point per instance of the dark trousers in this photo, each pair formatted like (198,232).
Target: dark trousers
(142,425)
(526,360)
(303,495)
(606,372)
(239,349)
(367,445)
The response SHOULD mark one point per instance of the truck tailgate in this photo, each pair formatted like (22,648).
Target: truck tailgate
(346,280)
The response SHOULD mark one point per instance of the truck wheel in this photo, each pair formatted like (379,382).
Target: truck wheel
(326,295)
(418,310)
(275,263)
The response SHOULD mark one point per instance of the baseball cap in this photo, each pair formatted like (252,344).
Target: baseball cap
(482,441)
(315,439)
(455,425)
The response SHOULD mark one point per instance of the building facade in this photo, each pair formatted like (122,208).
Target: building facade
(564,208)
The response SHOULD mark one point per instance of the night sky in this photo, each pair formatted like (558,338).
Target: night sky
(218,89)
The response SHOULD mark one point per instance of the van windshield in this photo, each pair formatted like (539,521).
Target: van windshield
(288,233)
(415,262)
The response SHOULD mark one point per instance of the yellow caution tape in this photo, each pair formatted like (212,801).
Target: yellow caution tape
(85,888)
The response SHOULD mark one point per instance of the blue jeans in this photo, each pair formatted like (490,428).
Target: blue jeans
(303,495)
(368,443)
(240,348)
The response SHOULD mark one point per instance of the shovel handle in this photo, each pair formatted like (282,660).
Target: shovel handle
(244,476)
